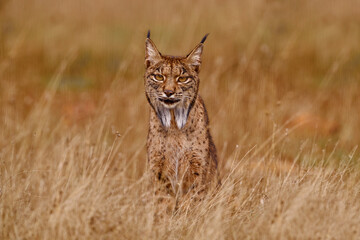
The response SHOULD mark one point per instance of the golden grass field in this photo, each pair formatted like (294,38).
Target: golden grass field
(281,82)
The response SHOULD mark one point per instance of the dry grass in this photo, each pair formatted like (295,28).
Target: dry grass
(281,84)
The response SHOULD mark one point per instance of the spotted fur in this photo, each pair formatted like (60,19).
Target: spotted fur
(181,153)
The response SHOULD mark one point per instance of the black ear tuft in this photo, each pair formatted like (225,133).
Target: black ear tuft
(204,38)
(148,34)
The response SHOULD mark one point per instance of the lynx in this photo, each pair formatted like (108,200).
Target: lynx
(181,153)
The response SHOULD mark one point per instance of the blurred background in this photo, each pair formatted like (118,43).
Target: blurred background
(283,72)
(281,83)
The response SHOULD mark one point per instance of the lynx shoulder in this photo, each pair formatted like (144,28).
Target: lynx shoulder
(181,153)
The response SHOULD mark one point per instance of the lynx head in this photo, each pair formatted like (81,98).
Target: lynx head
(171,83)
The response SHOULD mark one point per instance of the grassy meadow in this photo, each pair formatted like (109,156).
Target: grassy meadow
(281,82)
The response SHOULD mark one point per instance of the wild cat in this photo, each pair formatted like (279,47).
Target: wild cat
(181,152)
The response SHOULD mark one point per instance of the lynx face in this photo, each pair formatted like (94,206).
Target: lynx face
(171,83)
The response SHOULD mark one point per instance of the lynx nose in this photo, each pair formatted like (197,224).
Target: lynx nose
(168,93)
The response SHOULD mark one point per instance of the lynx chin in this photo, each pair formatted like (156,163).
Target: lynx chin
(181,153)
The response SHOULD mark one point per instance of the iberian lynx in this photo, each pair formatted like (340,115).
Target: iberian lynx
(181,153)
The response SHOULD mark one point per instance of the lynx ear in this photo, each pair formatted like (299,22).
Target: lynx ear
(194,57)
(152,55)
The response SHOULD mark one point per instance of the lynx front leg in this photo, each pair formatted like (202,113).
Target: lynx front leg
(162,188)
(194,186)
(165,201)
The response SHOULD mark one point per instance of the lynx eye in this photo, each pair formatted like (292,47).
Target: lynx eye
(158,77)
(182,79)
